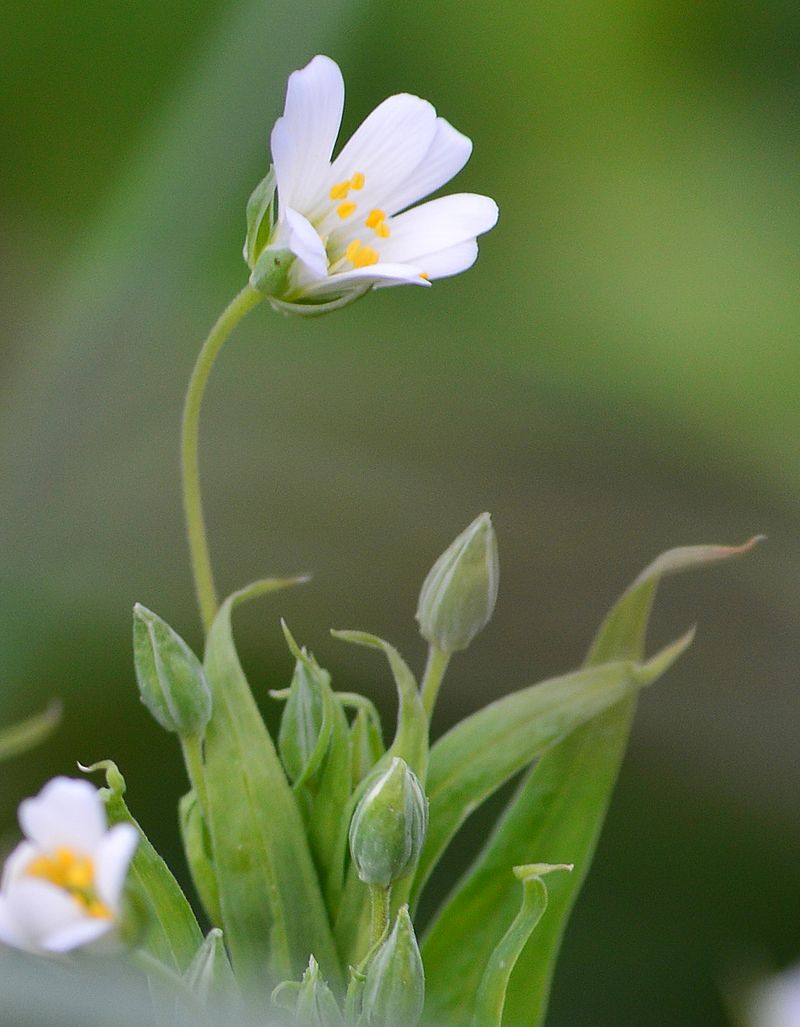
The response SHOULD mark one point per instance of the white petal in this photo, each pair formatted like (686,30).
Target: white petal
(438,225)
(305,244)
(88,929)
(111,862)
(363,277)
(446,156)
(451,261)
(9,929)
(386,148)
(38,910)
(17,863)
(303,139)
(65,812)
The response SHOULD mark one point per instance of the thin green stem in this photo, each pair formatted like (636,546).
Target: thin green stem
(432,679)
(192,746)
(380,898)
(190,465)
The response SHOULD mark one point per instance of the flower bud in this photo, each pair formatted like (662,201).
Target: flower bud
(394,989)
(171,679)
(458,596)
(388,827)
(303,718)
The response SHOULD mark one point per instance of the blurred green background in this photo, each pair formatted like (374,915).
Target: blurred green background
(618,375)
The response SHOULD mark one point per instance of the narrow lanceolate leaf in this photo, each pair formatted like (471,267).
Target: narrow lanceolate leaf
(272,909)
(557,814)
(491,997)
(484,751)
(18,738)
(172,934)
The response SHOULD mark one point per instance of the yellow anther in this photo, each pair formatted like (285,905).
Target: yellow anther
(352,250)
(358,180)
(425,276)
(365,257)
(374,218)
(340,190)
(344,210)
(98,909)
(382,230)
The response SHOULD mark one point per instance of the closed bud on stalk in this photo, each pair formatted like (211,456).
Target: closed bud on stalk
(458,596)
(394,989)
(389,824)
(316,1005)
(171,679)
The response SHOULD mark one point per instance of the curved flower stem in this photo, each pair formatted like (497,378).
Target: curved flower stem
(190,430)
(432,679)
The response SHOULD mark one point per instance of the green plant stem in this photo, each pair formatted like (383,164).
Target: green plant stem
(192,746)
(432,679)
(380,898)
(190,466)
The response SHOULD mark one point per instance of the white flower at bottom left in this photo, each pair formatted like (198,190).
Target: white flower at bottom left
(62,887)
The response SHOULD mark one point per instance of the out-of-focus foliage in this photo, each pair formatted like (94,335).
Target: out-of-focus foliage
(618,373)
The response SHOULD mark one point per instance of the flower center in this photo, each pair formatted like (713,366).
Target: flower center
(75,874)
(357,252)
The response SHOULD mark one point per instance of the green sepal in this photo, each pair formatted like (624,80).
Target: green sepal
(171,681)
(558,809)
(260,217)
(270,901)
(19,738)
(410,744)
(485,750)
(270,276)
(172,935)
(197,847)
(316,1004)
(314,743)
(491,997)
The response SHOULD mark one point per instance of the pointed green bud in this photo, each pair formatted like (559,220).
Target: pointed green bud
(316,1005)
(300,740)
(389,824)
(458,596)
(394,989)
(171,679)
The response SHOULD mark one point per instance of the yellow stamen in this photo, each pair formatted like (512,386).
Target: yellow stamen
(382,230)
(340,190)
(358,180)
(73,873)
(365,256)
(374,218)
(352,250)
(344,210)
(425,276)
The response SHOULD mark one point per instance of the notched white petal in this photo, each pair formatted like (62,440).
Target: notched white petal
(446,156)
(65,812)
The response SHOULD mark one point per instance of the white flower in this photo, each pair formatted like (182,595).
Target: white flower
(344,225)
(62,886)
(776,1002)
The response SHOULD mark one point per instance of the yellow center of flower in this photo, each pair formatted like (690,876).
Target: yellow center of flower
(75,874)
(360,255)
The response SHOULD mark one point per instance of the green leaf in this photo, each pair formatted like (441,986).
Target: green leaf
(272,909)
(557,813)
(172,934)
(21,737)
(488,1010)
(484,751)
